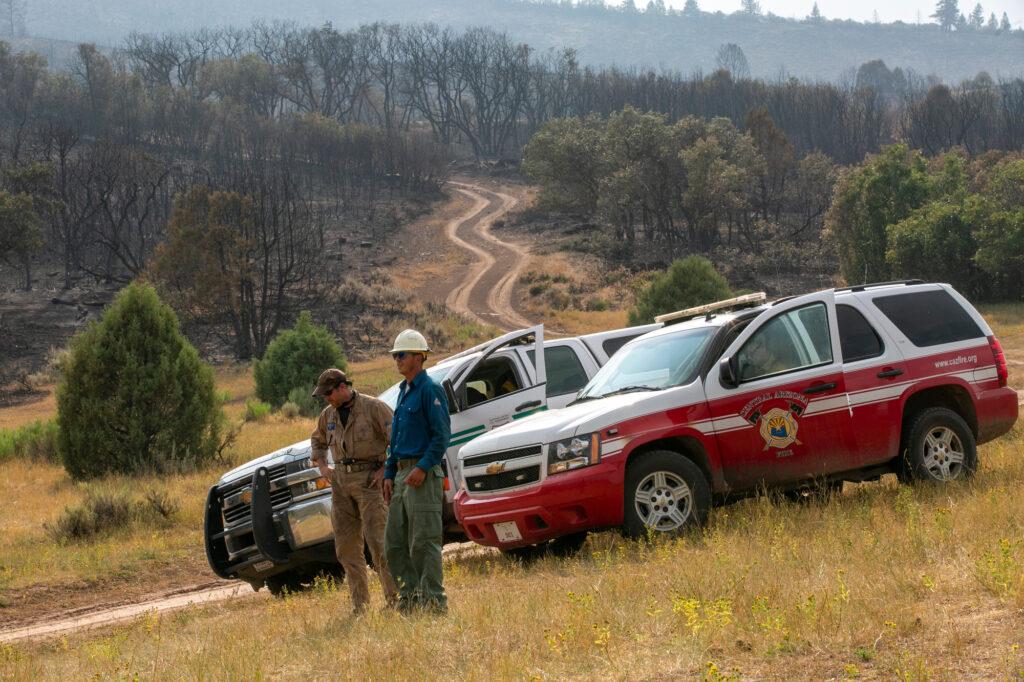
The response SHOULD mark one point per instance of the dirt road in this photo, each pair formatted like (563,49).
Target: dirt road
(485,292)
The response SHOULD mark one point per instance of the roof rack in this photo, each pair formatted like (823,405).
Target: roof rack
(745,301)
(862,287)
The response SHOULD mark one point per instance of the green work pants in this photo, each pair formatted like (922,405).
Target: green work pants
(412,540)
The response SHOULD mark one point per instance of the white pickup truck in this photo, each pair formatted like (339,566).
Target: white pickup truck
(269,521)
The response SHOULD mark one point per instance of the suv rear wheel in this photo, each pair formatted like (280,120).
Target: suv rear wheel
(666,493)
(940,447)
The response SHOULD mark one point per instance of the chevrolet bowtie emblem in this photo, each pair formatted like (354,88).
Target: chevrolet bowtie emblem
(495,467)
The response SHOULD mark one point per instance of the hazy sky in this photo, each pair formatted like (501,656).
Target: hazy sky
(862,10)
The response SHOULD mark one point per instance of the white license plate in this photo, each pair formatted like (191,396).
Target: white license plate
(507,531)
(263,565)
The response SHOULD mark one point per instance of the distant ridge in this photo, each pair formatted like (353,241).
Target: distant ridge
(775,47)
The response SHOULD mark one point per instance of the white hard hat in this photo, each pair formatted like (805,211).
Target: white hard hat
(411,340)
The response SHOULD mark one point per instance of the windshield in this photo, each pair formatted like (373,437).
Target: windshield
(438,374)
(651,364)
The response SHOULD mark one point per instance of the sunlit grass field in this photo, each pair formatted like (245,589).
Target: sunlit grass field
(880,582)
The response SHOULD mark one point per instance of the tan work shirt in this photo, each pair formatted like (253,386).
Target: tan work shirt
(365,436)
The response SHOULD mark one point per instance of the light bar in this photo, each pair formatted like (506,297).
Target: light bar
(745,301)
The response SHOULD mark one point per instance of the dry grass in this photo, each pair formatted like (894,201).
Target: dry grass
(881,582)
(26,413)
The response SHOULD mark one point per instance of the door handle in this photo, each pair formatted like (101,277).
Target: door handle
(819,388)
(526,406)
(888,373)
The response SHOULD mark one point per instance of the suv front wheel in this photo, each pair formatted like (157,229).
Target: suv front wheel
(665,493)
(940,447)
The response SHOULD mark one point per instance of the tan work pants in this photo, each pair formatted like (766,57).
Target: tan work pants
(360,515)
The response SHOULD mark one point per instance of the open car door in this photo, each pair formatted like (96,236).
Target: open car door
(494,389)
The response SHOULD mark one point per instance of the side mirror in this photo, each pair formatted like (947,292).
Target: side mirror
(453,401)
(728,373)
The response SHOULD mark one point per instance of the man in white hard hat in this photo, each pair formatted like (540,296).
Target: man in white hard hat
(414,480)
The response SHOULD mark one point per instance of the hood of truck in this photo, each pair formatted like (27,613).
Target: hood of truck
(299,450)
(582,418)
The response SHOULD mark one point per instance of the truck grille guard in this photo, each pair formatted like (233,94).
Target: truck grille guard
(242,517)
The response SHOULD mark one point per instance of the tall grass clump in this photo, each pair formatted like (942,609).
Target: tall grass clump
(109,508)
(36,441)
(256,410)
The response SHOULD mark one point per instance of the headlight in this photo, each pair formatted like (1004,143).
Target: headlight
(573,453)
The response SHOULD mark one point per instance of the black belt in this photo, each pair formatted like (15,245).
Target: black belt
(351,465)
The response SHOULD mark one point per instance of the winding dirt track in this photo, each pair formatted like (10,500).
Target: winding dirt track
(484,294)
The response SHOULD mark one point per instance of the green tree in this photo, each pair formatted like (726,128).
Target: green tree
(1000,231)
(868,198)
(566,158)
(688,282)
(135,397)
(294,360)
(21,234)
(937,243)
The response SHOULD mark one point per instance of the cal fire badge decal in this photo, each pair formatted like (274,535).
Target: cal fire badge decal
(775,416)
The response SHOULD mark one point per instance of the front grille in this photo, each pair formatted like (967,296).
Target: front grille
(505,479)
(240,512)
(501,456)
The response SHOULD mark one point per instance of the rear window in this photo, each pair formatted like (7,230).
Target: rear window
(928,318)
(857,337)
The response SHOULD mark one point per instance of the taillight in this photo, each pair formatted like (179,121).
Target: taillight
(997,353)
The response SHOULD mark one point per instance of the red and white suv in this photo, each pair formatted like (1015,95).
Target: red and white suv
(810,391)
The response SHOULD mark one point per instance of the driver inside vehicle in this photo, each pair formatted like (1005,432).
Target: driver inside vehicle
(757,359)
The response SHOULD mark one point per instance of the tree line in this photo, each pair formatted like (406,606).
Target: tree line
(276,132)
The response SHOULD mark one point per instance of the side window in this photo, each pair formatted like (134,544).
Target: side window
(793,340)
(611,346)
(565,373)
(928,318)
(492,378)
(858,338)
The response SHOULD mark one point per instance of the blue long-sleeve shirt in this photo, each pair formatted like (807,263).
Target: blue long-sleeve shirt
(421,426)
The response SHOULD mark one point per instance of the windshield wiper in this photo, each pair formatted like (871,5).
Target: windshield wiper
(630,389)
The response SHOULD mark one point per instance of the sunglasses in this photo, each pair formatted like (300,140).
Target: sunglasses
(400,355)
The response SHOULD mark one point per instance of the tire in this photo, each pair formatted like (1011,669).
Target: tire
(939,447)
(288,582)
(565,546)
(665,492)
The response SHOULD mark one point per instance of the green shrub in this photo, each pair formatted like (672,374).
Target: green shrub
(295,358)
(597,305)
(688,282)
(290,410)
(135,396)
(108,508)
(36,441)
(256,410)
(307,404)
(104,510)
(538,289)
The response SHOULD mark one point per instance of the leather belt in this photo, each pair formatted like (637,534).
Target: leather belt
(350,465)
(407,463)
